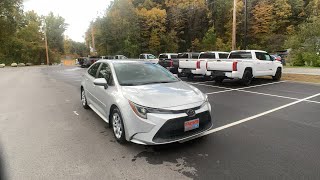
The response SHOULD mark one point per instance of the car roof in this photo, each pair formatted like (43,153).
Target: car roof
(168,54)
(116,61)
(249,51)
(214,52)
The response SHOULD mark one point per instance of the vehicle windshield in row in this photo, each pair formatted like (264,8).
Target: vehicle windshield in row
(134,74)
(240,55)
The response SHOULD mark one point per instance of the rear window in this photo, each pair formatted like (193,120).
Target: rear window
(240,55)
(163,56)
(195,55)
(174,56)
(141,56)
(207,56)
(183,56)
(223,55)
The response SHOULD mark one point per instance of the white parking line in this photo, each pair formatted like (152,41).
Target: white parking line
(75,112)
(258,115)
(235,89)
(284,97)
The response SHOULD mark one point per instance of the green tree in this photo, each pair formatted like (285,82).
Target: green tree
(209,41)
(55,27)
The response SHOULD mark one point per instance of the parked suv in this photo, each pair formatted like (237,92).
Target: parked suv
(169,61)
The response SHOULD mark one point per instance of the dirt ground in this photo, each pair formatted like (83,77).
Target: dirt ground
(301,78)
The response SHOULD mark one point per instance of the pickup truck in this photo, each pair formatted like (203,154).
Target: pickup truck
(197,66)
(149,58)
(169,61)
(244,65)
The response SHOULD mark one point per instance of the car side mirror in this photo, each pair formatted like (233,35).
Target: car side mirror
(101,82)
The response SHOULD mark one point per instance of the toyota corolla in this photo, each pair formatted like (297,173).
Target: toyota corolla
(144,103)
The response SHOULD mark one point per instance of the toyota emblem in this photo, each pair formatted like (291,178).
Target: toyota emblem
(191,112)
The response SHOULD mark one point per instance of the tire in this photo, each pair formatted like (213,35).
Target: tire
(247,77)
(190,76)
(118,126)
(84,99)
(218,80)
(278,75)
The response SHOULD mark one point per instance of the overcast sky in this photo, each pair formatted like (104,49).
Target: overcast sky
(77,13)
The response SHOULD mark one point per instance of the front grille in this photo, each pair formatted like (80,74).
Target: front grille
(174,129)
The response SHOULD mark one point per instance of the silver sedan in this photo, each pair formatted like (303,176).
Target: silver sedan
(144,103)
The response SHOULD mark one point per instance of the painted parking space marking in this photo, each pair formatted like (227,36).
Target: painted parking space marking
(75,112)
(259,115)
(252,92)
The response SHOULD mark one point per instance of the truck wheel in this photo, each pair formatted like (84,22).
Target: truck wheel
(190,76)
(218,80)
(247,77)
(278,75)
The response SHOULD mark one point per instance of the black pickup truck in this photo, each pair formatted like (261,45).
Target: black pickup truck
(169,61)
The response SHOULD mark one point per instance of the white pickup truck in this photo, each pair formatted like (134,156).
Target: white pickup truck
(244,65)
(149,58)
(197,66)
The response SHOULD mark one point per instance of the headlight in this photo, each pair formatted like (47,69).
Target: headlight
(139,110)
(142,111)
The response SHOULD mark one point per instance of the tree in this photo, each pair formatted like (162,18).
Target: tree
(30,39)
(305,43)
(55,26)
(209,40)
(10,17)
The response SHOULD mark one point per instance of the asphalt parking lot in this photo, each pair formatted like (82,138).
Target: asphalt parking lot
(269,130)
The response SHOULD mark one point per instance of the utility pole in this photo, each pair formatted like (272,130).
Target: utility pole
(234,25)
(245,24)
(46,43)
(93,43)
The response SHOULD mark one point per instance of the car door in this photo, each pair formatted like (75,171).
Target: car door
(89,86)
(269,64)
(104,95)
(261,64)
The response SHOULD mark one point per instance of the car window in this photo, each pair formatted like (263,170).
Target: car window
(268,57)
(240,55)
(174,56)
(163,56)
(93,69)
(261,56)
(105,72)
(141,56)
(223,55)
(195,55)
(183,56)
(207,56)
(134,74)
(151,56)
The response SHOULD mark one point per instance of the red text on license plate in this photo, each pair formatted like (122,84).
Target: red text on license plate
(190,125)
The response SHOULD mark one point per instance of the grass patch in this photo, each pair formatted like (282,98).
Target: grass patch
(301,78)
(305,67)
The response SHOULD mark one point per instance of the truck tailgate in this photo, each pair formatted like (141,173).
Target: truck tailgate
(220,65)
(187,63)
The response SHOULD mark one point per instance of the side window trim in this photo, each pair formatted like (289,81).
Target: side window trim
(111,76)
(96,71)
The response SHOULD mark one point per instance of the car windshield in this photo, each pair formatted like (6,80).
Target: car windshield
(240,55)
(134,74)
(207,56)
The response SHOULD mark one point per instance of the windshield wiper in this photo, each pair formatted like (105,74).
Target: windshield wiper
(128,84)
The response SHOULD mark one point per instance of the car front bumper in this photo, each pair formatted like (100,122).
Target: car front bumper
(169,128)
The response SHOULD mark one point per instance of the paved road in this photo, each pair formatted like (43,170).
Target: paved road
(267,131)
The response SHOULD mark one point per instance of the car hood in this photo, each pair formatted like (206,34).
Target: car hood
(163,95)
